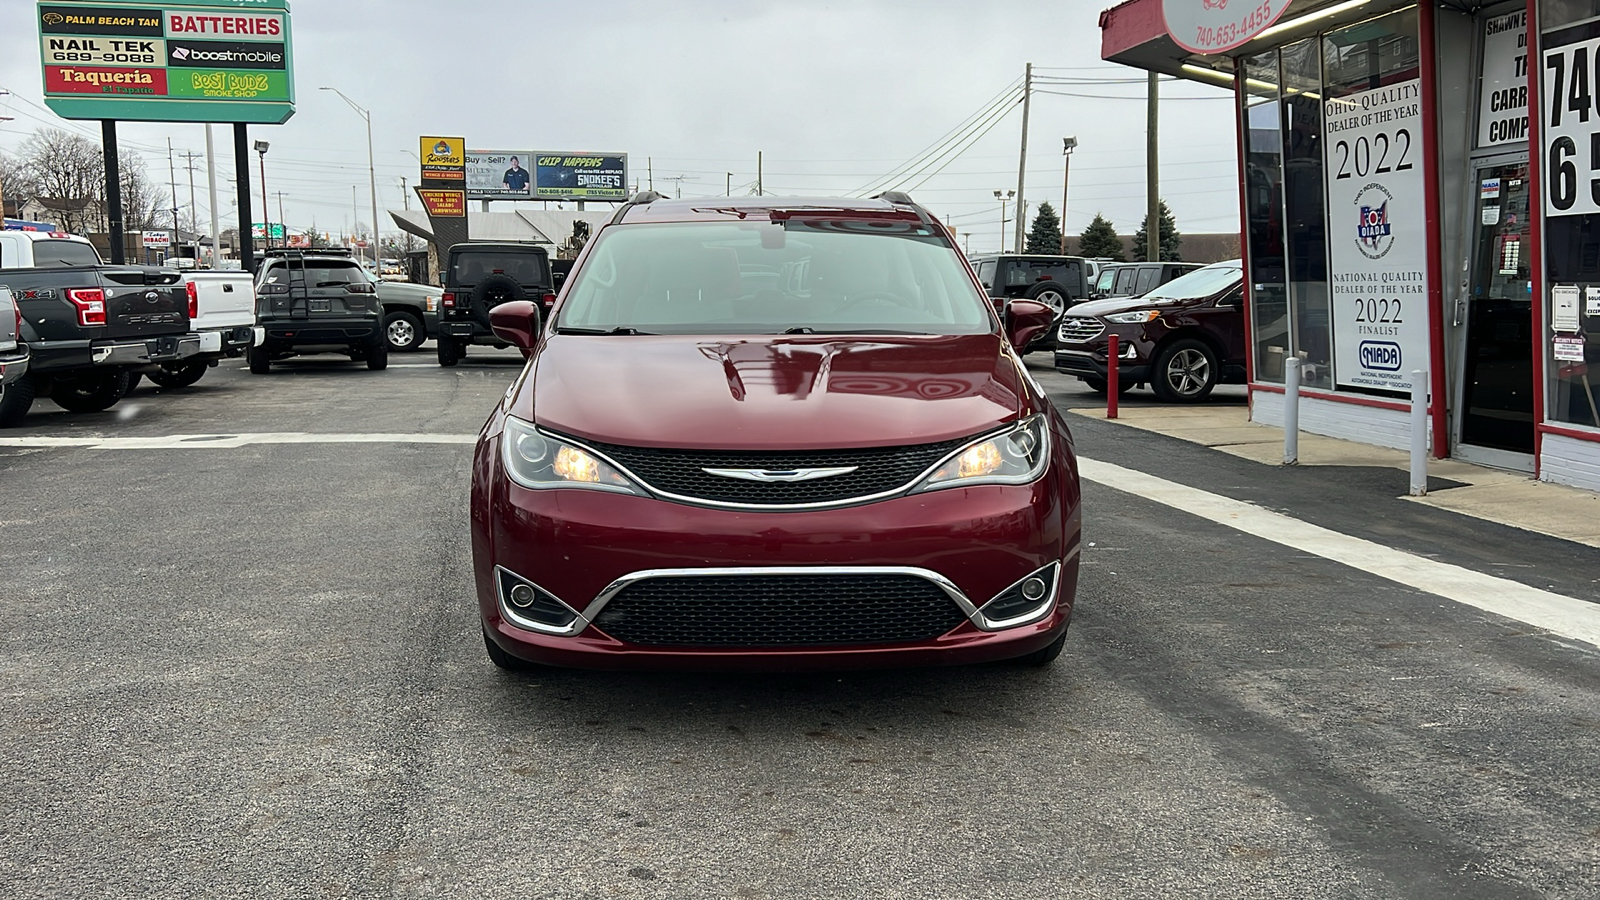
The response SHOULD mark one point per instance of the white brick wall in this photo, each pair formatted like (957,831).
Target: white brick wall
(1565,460)
(1349,421)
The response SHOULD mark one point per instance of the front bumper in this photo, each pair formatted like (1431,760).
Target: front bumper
(13,365)
(578,546)
(1087,364)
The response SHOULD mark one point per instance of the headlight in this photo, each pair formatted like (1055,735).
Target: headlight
(1017,456)
(536,460)
(1133,318)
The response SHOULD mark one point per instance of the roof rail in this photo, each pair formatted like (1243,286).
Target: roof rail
(901,198)
(643,198)
(287,252)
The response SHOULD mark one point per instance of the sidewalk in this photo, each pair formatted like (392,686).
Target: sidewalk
(1509,498)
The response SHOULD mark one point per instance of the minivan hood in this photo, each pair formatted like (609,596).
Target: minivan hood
(1125,304)
(767,393)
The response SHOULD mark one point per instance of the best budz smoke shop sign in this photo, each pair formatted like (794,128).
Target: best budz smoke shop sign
(194,61)
(1377,240)
(1212,26)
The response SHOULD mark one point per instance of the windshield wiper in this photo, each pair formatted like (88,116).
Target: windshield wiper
(620,329)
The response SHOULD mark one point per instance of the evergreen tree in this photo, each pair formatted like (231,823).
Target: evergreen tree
(1045,236)
(1100,241)
(1168,237)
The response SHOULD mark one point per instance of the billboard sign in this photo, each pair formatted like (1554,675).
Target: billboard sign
(259,230)
(500,174)
(580,176)
(183,61)
(444,204)
(444,160)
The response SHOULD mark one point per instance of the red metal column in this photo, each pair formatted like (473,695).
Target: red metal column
(1113,377)
(1536,223)
(1430,153)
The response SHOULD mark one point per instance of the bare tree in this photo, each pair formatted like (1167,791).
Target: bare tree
(144,203)
(69,169)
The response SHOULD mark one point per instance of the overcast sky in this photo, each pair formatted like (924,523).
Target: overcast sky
(836,95)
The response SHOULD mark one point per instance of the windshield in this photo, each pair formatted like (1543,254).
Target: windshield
(50,254)
(473,266)
(1199,283)
(317,274)
(756,277)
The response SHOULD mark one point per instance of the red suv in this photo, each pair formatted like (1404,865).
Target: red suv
(764,433)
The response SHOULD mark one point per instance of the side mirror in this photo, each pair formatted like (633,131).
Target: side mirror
(1026,320)
(516,323)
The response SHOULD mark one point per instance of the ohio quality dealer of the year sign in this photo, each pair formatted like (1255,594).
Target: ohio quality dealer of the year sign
(190,61)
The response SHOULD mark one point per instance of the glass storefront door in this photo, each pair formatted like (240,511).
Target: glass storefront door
(1497,389)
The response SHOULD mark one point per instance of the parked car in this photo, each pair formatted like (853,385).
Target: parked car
(479,276)
(410,312)
(87,325)
(222,312)
(1183,338)
(13,362)
(1136,279)
(1056,281)
(314,301)
(698,470)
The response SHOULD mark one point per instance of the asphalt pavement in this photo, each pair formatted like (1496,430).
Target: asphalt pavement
(256,671)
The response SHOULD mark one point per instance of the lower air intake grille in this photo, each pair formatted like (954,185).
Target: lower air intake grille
(779,610)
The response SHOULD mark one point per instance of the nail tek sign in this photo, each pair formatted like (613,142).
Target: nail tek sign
(1214,26)
(188,61)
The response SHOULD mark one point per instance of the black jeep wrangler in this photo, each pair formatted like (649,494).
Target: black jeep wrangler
(317,301)
(480,276)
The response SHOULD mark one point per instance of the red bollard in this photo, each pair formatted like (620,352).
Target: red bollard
(1113,382)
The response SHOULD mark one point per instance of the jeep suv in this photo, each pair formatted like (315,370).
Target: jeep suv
(1136,279)
(317,301)
(480,276)
(1182,338)
(1056,281)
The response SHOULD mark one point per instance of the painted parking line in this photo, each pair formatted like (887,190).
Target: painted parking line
(1555,613)
(230,441)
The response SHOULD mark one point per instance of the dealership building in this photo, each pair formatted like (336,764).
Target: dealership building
(1420,190)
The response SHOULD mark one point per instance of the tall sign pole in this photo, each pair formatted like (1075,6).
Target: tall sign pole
(241,168)
(1067,145)
(108,139)
(1022,162)
(1152,184)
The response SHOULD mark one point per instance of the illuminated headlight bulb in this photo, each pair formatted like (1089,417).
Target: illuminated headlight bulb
(573,464)
(984,459)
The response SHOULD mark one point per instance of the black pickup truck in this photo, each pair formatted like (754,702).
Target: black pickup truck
(87,327)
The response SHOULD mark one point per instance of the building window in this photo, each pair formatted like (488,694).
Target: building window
(1305,219)
(1263,175)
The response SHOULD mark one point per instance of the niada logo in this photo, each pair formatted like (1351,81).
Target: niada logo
(1381,355)
(1374,237)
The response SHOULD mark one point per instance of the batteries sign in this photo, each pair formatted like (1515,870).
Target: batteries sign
(187,61)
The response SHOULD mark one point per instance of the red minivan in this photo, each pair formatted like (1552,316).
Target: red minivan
(763,433)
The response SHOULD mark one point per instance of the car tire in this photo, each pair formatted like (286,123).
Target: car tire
(502,659)
(377,354)
(16,399)
(1043,656)
(178,378)
(499,286)
(260,360)
(1185,371)
(404,331)
(1099,385)
(133,382)
(449,352)
(93,394)
(1050,295)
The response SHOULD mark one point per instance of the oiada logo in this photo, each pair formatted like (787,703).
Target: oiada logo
(1374,236)
(1381,355)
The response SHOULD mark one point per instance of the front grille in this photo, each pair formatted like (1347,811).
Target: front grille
(779,610)
(1077,329)
(878,470)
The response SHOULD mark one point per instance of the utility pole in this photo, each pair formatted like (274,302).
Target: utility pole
(1067,145)
(727,190)
(279,195)
(172,177)
(211,187)
(405,195)
(1022,163)
(1152,187)
(189,156)
(760,189)
(355,220)
(650,171)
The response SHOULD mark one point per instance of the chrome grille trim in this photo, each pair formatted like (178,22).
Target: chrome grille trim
(1078,329)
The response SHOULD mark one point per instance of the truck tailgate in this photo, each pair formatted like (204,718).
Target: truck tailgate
(223,300)
(143,302)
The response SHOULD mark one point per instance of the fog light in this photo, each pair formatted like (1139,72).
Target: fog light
(1029,600)
(522,596)
(1034,588)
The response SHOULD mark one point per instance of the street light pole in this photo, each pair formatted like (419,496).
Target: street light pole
(1067,145)
(372,171)
(727,191)
(266,215)
(1003,197)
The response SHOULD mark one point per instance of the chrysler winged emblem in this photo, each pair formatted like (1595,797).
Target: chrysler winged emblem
(782,475)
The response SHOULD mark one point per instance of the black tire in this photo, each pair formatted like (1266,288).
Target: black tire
(377,354)
(1051,295)
(449,351)
(260,360)
(178,378)
(404,331)
(502,659)
(93,393)
(16,399)
(1045,655)
(1185,371)
(492,291)
(133,382)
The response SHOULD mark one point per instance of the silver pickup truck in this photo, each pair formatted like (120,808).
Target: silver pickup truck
(13,363)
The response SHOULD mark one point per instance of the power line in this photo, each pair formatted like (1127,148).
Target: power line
(1009,94)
